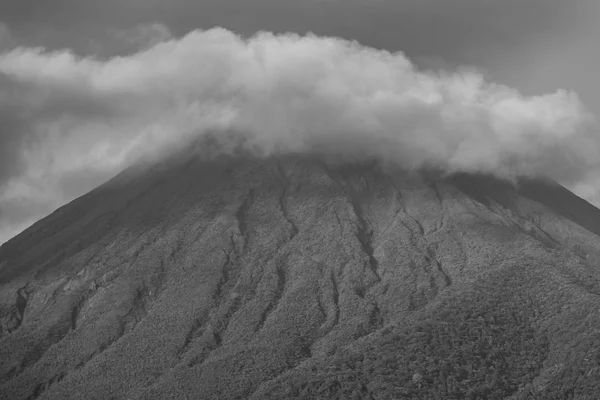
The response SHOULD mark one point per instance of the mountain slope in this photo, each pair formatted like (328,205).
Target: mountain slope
(289,277)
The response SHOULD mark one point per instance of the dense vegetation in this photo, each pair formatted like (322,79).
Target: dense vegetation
(463,354)
(485,345)
(293,279)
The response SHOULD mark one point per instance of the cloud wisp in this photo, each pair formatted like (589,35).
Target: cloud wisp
(283,93)
(6,38)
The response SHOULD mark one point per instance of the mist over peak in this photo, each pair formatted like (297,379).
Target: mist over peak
(280,94)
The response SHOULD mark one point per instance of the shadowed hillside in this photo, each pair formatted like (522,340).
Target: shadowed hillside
(294,278)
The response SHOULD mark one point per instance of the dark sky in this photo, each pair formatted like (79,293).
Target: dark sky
(458,31)
(536,46)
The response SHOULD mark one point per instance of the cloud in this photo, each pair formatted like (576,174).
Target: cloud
(282,93)
(4,32)
(6,38)
(142,36)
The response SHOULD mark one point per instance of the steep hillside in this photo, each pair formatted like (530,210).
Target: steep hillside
(290,277)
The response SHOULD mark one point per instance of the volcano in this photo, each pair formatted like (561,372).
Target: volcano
(283,277)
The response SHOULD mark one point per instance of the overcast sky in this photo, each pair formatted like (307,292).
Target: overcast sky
(59,140)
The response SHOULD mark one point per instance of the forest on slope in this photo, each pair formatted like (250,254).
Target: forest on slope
(291,277)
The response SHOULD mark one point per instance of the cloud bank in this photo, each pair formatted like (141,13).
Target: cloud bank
(63,114)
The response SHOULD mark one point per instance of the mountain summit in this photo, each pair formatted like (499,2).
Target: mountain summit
(290,277)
